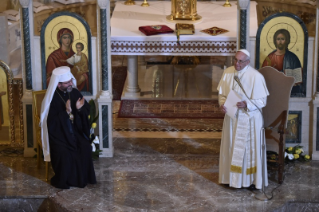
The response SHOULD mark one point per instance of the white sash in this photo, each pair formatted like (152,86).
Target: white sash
(244,146)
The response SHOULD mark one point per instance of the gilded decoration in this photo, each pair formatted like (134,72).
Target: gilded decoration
(7,133)
(14,4)
(304,9)
(71,23)
(184,10)
(66,40)
(214,31)
(293,134)
(297,37)
(282,43)
(84,9)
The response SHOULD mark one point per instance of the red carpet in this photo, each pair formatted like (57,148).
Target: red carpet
(170,109)
(118,80)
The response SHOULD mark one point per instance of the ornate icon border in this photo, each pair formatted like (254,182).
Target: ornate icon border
(301,90)
(89,46)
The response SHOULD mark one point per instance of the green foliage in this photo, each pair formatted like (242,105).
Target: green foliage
(95,155)
(93,115)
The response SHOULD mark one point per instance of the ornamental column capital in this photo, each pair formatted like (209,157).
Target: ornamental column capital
(243,4)
(24,3)
(102,3)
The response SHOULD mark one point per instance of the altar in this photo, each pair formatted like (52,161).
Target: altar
(126,39)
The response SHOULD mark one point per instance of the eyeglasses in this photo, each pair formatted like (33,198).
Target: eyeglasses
(239,61)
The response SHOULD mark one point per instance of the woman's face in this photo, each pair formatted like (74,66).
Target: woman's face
(66,40)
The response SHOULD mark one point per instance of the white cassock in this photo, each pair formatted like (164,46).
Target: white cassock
(240,163)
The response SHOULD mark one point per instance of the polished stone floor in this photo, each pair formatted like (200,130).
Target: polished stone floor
(158,165)
(155,172)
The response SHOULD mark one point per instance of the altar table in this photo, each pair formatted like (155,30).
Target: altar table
(126,39)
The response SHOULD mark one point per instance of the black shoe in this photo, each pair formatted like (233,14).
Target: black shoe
(252,187)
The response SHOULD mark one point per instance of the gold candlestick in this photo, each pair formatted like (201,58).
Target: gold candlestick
(227,4)
(129,2)
(145,4)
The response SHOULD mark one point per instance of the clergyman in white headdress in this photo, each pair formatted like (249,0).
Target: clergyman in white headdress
(65,132)
(240,162)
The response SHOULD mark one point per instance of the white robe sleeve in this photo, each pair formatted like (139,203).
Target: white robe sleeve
(260,103)
(221,99)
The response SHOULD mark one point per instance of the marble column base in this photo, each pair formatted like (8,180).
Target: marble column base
(105,126)
(315,123)
(132,88)
(130,95)
(29,131)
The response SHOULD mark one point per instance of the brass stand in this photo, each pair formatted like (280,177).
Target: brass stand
(227,4)
(129,2)
(145,4)
(183,10)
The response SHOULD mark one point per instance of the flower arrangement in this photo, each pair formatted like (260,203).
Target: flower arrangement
(295,153)
(93,117)
(291,154)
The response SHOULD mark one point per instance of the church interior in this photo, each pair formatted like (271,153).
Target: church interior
(149,159)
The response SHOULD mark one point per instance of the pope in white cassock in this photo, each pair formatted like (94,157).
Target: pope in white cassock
(240,162)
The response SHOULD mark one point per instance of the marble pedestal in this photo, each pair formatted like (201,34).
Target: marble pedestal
(105,123)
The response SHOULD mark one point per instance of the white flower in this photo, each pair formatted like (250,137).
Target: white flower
(96,140)
(286,154)
(93,147)
(301,150)
(291,156)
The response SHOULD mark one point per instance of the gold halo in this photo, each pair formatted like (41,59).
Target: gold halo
(289,28)
(57,27)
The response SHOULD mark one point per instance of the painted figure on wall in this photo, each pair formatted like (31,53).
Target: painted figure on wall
(60,57)
(79,61)
(65,39)
(3,93)
(282,43)
(282,59)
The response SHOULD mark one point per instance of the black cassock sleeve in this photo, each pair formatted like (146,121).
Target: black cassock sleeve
(62,133)
(81,120)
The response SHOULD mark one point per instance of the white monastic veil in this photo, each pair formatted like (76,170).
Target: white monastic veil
(60,74)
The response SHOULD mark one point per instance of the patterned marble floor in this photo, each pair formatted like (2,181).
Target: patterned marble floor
(158,165)
(158,174)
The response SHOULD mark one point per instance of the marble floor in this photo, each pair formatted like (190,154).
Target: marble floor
(154,174)
(174,170)
(167,165)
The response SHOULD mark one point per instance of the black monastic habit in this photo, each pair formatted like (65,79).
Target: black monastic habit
(70,148)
